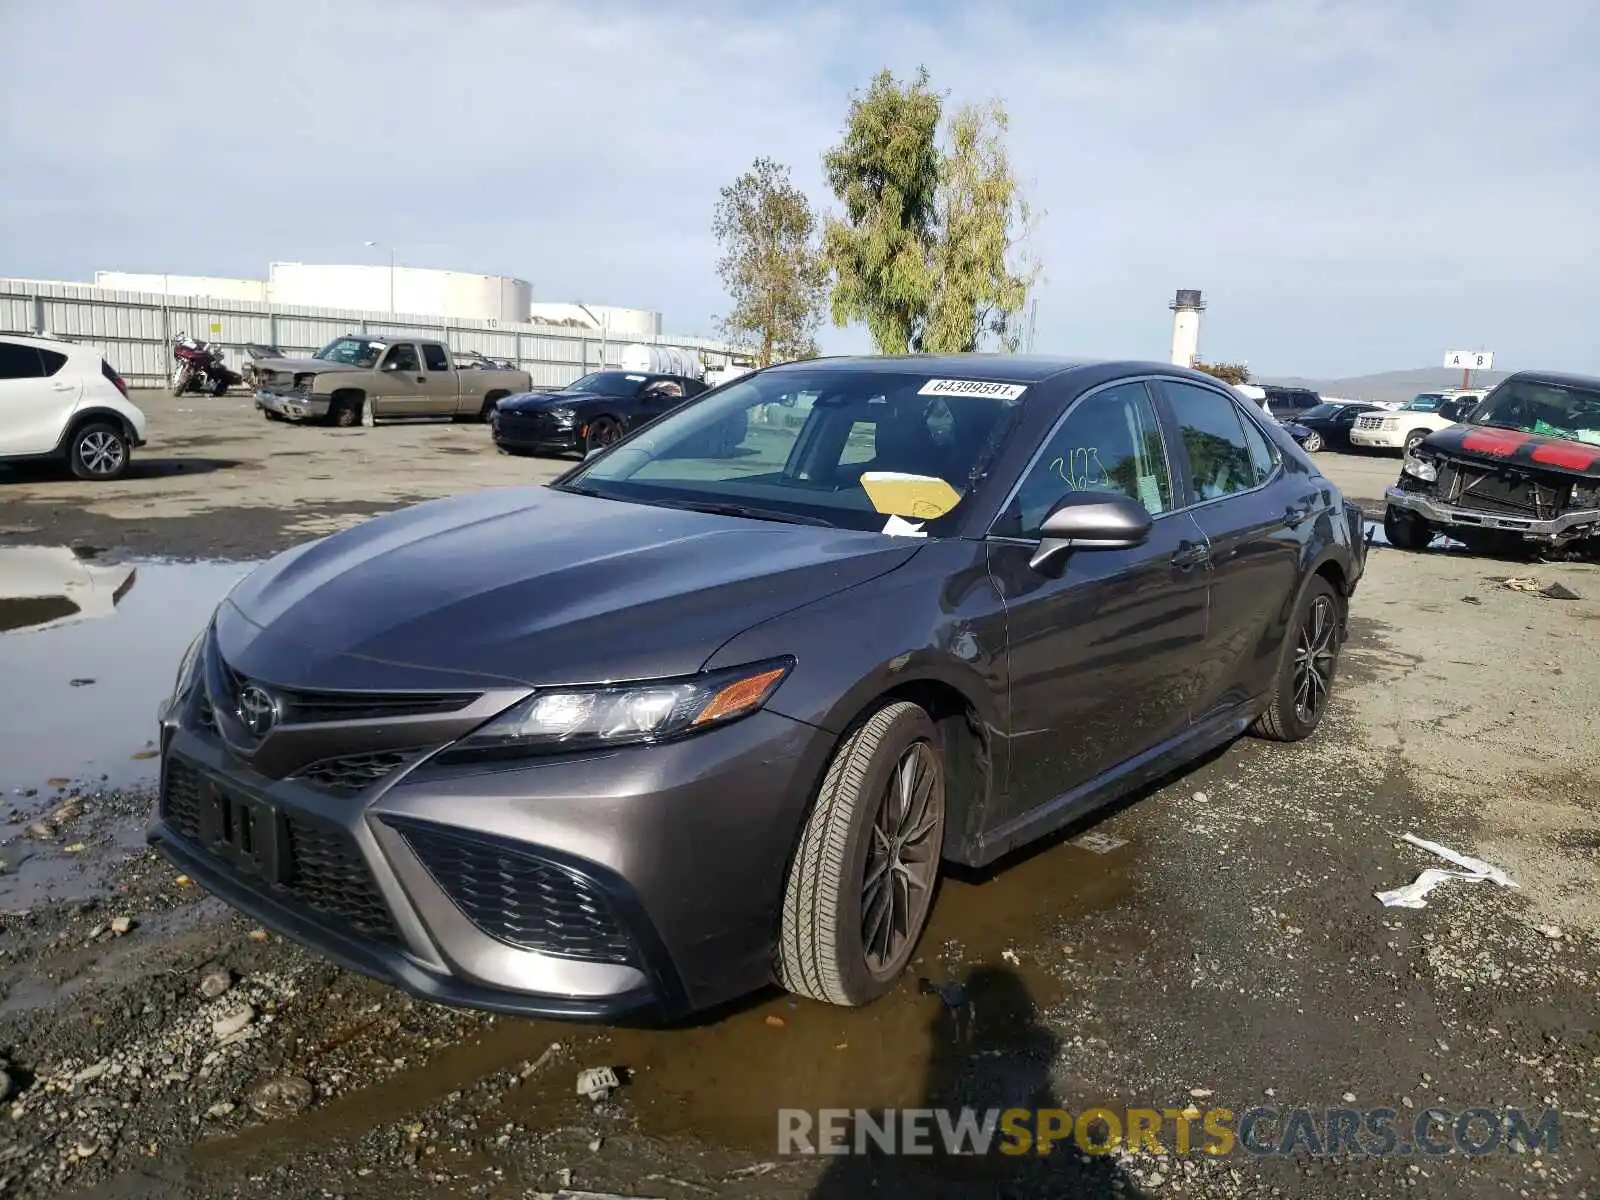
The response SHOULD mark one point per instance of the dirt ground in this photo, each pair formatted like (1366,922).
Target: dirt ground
(1224,950)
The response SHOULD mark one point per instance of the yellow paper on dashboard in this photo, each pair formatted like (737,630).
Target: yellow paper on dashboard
(922,497)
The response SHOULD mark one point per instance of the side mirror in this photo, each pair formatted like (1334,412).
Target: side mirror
(1091,521)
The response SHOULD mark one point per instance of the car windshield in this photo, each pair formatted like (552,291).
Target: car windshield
(1427,402)
(846,448)
(351,351)
(1321,412)
(608,383)
(1549,409)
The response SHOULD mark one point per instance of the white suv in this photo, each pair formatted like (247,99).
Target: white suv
(1416,419)
(62,401)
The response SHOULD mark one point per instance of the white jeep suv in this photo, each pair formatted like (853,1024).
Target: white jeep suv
(62,401)
(1416,419)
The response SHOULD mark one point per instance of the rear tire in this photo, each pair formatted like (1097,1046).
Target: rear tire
(861,884)
(1404,530)
(220,388)
(99,451)
(1310,656)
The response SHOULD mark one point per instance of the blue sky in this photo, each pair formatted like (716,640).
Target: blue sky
(1356,186)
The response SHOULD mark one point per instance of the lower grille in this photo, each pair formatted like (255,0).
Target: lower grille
(323,870)
(1509,493)
(521,899)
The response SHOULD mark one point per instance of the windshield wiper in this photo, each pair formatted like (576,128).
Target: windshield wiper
(721,509)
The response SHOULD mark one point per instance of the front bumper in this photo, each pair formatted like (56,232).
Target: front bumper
(666,861)
(515,432)
(1379,439)
(1584,523)
(292,406)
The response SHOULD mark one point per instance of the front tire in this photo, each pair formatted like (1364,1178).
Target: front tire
(1313,442)
(1414,439)
(180,380)
(861,884)
(603,432)
(345,413)
(99,451)
(1405,530)
(1310,657)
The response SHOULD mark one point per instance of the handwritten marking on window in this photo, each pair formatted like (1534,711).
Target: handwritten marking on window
(1081,469)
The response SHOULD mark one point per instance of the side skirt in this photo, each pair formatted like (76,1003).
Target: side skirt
(1104,789)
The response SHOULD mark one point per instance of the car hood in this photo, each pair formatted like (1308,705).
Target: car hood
(287,365)
(544,401)
(1484,443)
(533,587)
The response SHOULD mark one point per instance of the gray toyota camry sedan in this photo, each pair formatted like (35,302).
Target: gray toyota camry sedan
(712,709)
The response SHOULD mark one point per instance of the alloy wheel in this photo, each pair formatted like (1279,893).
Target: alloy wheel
(101,452)
(902,860)
(1314,653)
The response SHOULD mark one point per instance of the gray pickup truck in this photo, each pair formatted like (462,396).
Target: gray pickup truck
(403,377)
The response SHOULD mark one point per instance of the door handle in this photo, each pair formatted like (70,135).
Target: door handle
(422,379)
(60,387)
(1190,555)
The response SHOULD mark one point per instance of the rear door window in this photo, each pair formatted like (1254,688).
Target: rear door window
(1212,432)
(434,355)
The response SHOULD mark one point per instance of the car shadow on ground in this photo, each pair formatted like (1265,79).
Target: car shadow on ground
(990,1050)
(139,468)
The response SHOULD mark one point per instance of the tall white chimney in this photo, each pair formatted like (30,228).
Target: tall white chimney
(1186,311)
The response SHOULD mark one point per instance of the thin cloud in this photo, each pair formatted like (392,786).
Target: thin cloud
(1355,186)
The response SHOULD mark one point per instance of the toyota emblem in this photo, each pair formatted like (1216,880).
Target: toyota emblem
(257,710)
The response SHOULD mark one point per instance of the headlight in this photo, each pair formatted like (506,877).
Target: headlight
(564,415)
(565,719)
(186,668)
(1420,468)
(1391,423)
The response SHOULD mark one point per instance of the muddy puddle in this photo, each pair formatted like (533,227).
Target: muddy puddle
(88,648)
(967,1015)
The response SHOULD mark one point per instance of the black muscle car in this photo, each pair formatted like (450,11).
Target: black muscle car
(589,413)
(1522,472)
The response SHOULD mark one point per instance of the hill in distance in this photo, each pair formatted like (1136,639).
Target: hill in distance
(1391,385)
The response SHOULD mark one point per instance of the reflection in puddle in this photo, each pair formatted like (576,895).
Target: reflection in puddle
(125,631)
(42,587)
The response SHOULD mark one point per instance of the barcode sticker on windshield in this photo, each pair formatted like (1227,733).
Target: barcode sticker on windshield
(972,387)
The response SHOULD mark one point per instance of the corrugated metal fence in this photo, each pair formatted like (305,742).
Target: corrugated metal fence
(134,331)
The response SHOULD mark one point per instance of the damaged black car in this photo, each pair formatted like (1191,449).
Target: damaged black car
(1520,474)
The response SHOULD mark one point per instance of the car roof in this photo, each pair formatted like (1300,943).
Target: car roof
(998,368)
(43,340)
(1559,378)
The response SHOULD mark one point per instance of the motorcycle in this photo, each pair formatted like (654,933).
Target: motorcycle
(199,368)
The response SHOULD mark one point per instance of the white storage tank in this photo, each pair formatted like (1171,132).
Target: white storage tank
(662,360)
(209,286)
(413,291)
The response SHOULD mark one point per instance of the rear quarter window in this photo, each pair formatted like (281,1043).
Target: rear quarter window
(19,362)
(433,354)
(52,361)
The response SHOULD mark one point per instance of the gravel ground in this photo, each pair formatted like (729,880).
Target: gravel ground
(155,1044)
